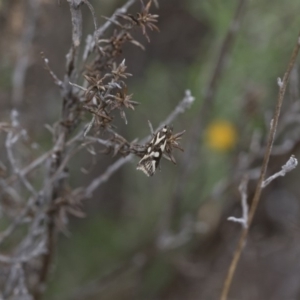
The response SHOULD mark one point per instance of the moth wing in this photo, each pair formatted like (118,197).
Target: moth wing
(148,165)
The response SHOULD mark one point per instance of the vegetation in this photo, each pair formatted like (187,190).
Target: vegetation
(78,221)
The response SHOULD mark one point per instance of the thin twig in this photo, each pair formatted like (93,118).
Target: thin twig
(55,188)
(37,251)
(21,290)
(89,126)
(91,8)
(57,81)
(10,140)
(244,204)
(183,105)
(106,175)
(290,165)
(18,220)
(41,159)
(237,254)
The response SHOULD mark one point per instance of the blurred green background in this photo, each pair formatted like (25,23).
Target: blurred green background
(117,251)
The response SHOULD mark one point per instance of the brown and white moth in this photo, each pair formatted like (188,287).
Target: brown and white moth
(161,144)
(155,149)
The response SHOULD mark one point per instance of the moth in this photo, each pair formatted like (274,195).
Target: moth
(154,151)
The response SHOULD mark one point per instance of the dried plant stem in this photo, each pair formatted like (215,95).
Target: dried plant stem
(55,187)
(47,260)
(243,191)
(290,165)
(242,240)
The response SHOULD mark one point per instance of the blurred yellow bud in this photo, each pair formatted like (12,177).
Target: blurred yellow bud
(221,135)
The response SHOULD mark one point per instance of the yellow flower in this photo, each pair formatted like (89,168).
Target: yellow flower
(221,135)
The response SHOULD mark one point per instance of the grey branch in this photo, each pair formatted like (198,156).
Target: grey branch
(181,108)
(56,80)
(89,126)
(244,204)
(106,175)
(91,8)
(39,249)
(18,220)
(11,139)
(290,165)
